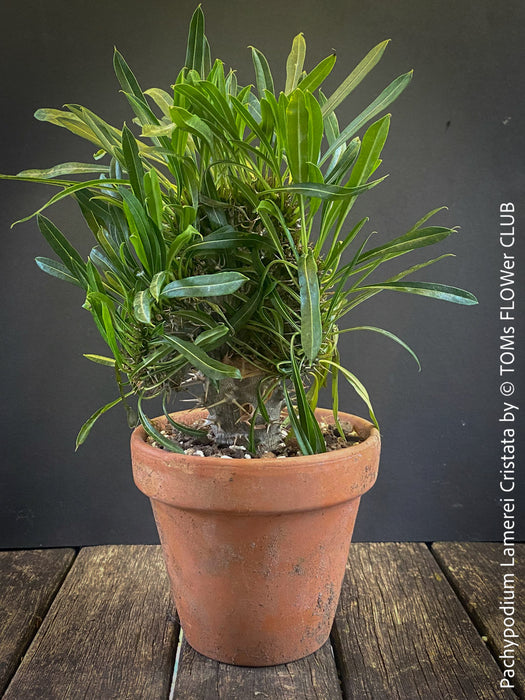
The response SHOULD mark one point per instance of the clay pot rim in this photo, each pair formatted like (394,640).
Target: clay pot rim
(314,462)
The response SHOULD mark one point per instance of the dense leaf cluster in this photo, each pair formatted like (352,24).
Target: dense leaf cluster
(220,231)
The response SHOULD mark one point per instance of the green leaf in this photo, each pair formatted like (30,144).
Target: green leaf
(153,131)
(381,102)
(371,147)
(309,425)
(150,429)
(213,337)
(302,439)
(111,337)
(162,99)
(142,306)
(133,163)
(339,166)
(68,121)
(426,218)
(199,359)
(427,289)
(297,147)
(355,77)
(247,310)
(153,197)
(196,47)
(263,74)
(58,270)
(65,169)
(294,63)
(86,428)
(65,251)
(101,360)
(227,240)
(181,426)
(157,283)
(127,80)
(311,326)
(315,127)
(392,336)
(408,242)
(329,192)
(192,123)
(145,237)
(316,76)
(356,384)
(67,192)
(204,285)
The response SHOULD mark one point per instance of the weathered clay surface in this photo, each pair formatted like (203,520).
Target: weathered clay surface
(256,551)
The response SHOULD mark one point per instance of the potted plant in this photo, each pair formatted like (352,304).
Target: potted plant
(224,261)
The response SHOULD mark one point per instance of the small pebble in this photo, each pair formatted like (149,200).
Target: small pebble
(198,453)
(226,457)
(247,456)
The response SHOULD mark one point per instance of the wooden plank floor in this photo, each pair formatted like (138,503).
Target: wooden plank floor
(413,622)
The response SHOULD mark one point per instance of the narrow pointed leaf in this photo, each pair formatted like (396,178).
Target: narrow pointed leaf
(127,80)
(409,241)
(157,284)
(334,192)
(315,127)
(142,306)
(100,360)
(59,243)
(204,285)
(153,196)
(381,102)
(65,169)
(86,428)
(58,270)
(302,439)
(311,328)
(297,147)
(133,163)
(199,359)
(427,289)
(307,419)
(355,77)
(316,76)
(194,432)
(150,429)
(162,99)
(196,49)
(69,191)
(388,334)
(263,74)
(371,147)
(357,385)
(294,63)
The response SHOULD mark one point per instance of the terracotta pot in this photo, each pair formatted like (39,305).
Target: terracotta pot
(256,549)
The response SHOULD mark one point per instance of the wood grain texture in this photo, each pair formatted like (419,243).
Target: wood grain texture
(28,582)
(312,678)
(400,631)
(110,632)
(475,572)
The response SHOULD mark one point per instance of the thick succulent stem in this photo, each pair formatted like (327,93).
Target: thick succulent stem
(231,407)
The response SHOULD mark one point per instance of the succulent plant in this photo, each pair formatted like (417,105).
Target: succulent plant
(224,260)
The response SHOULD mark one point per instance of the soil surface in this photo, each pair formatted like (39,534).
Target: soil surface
(206,446)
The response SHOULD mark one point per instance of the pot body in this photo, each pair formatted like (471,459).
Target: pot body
(256,549)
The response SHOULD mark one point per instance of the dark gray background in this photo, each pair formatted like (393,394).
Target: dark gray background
(457,138)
